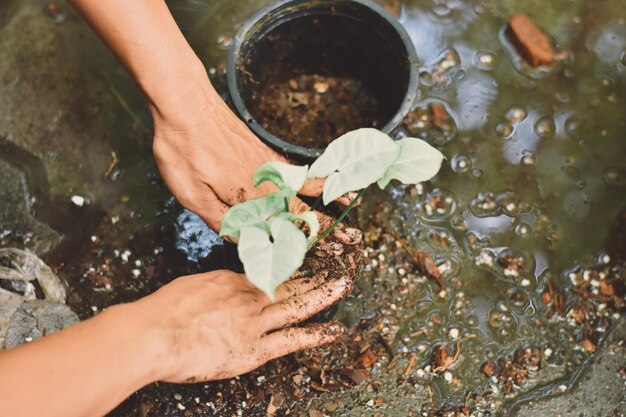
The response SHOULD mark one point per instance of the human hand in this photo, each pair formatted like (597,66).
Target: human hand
(217,325)
(207,156)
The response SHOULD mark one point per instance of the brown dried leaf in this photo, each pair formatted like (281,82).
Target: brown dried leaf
(606,288)
(319,387)
(440,117)
(367,359)
(356,375)
(441,359)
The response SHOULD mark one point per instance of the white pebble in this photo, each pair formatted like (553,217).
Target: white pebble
(454,333)
(125,256)
(547,352)
(180,407)
(78,200)
(136,273)
(421,373)
(525,282)
(448,377)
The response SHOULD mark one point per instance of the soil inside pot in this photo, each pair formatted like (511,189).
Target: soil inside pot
(311,109)
(313,78)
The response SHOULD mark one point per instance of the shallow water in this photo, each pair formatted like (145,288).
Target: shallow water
(535,170)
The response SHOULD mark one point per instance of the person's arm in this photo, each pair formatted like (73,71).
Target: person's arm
(197,328)
(205,153)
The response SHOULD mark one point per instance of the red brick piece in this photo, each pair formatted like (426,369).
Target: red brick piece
(532,44)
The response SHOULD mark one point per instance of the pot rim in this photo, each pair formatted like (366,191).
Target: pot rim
(303,152)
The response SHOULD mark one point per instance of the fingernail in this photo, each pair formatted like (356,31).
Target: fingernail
(336,328)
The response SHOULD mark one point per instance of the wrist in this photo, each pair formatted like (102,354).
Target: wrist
(146,343)
(187,95)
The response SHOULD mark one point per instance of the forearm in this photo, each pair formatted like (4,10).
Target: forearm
(146,39)
(85,370)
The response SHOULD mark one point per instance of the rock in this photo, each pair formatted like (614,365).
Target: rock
(533,44)
(18,226)
(34,319)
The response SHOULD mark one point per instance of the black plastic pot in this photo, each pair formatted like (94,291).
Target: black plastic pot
(347,38)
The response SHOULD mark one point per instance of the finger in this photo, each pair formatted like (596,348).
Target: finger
(299,286)
(286,341)
(206,204)
(346,235)
(313,187)
(296,309)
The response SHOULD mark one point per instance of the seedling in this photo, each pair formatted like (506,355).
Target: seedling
(270,244)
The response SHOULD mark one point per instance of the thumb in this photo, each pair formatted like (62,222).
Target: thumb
(343,234)
(313,187)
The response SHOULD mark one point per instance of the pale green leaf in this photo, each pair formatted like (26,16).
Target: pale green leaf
(354,161)
(268,262)
(418,161)
(309,217)
(252,212)
(282,175)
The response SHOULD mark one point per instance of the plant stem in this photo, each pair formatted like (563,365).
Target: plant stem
(339,219)
(316,203)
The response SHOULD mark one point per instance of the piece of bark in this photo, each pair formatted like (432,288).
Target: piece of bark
(532,43)
(488,369)
(588,345)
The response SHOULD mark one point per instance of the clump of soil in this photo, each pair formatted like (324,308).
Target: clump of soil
(311,110)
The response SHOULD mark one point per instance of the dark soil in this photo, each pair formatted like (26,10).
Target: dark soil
(278,385)
(312,110)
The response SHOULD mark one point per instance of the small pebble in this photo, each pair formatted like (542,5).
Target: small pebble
(448,377)
(454,333)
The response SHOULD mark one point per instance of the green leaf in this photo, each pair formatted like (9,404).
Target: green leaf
(309,217)
(282,174)
(354,161)
(418,161)
(270,261)
(252,212)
